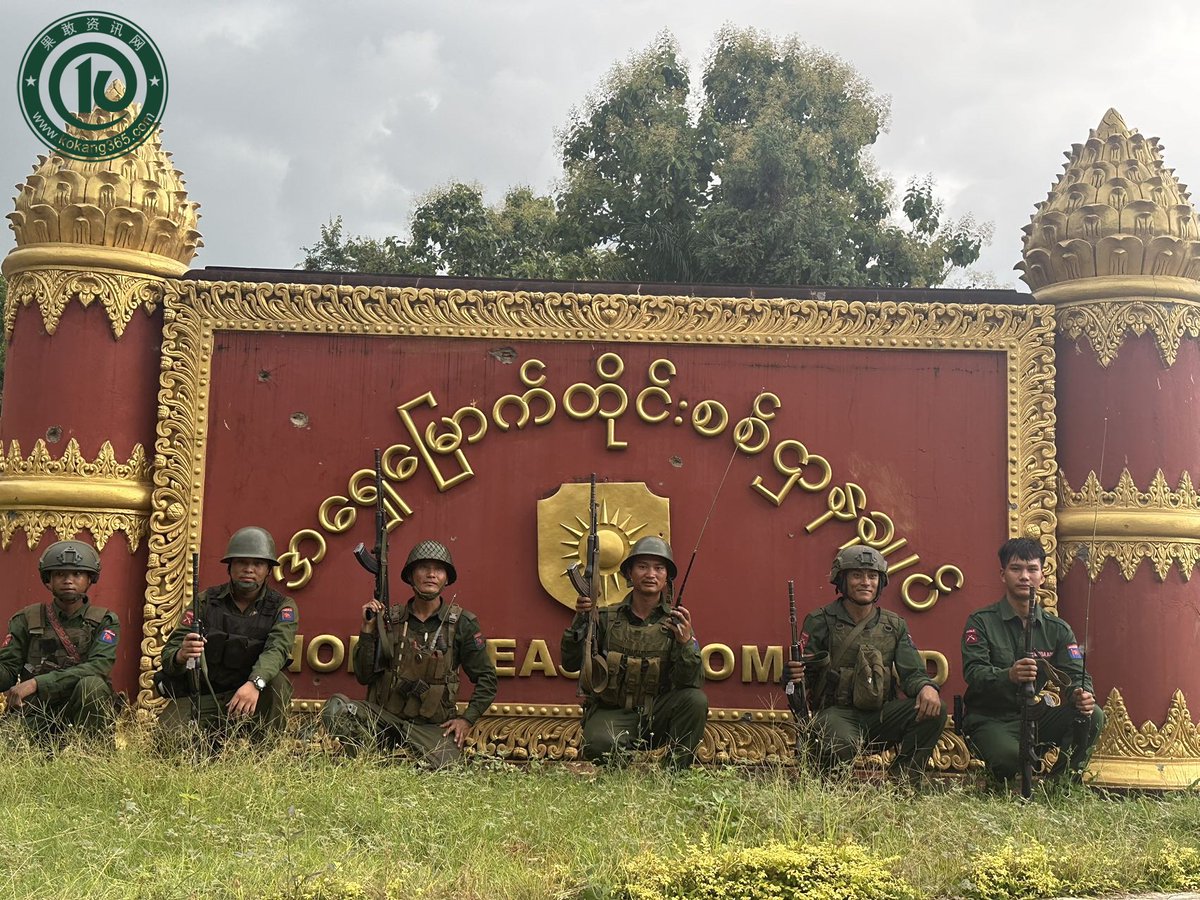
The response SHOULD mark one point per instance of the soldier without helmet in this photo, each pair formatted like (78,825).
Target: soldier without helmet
(853,654)
(57,657)
(243,654)
(652,694)
(411,672)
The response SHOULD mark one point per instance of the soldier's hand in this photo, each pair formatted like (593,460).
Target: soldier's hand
(1084,701)
(191,648)
(1023,671)
(371,611)
(457,729)
(244,702)
(679,624)
(794,669)
(929,703)
(583,604)
(16,695)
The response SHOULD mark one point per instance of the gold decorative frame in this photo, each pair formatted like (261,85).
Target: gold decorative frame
(195,311)
(1148,756)
(1106,323)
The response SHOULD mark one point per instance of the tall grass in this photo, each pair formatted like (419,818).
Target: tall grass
(298,822)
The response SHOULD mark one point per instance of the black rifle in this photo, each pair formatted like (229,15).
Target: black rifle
(799,708)
(1027,745)
(587,584)
(377,563)
(195,664)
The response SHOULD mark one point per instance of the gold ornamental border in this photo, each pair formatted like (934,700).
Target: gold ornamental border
(194,311)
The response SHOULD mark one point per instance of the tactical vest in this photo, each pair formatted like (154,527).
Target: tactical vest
(883,635)
(235,641)
(421,681)
(637,658)
(45,652)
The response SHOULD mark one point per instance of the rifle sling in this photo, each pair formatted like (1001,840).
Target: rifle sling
(52,619)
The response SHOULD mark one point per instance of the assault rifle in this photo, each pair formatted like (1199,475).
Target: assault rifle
(195,664)
(795,655)
(587,584)
(377,563)
(1027,745)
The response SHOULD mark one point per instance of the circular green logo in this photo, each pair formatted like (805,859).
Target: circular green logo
(65,79)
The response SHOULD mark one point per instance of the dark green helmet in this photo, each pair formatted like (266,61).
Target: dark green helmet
(432,551)
(858,556)
(70,556)
(251,542)
(650,546)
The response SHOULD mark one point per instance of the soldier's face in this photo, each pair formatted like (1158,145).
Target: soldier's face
(648,574)
(1020,576)
(862,585)
(69,586)
(429,577)
(248,575)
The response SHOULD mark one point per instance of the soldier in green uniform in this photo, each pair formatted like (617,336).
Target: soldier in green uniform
(854,654)
(651,695)
(995,668)
(242,647)
(56,659)
(411,671)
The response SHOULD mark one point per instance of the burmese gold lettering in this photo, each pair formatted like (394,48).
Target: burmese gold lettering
(581,387)
(744,431)
(337,654)
(362,489)
(342,519)
(615,361)
(300,566)
(906,592)
(661,380)
(533,380)
(868,531)
(537,659)
(402,470)
(297,653)
(763,669)
(892,548)
(794,473)
(726,655)
(640,404)
(452,440)
(956,575)
(764,398)
(709,418)
(443,483)
(893,568)
(525,410)
(503,650)
(843,503)
(941,666)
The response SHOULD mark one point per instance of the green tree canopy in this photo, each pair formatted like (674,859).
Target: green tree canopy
(765,176)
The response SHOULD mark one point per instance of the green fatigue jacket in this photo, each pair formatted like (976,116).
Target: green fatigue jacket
(683,667)
(994,638)
(887,632)
(469,651)
(94,631)
(276,651)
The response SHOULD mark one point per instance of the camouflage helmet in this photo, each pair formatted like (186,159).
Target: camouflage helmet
(858,556)
(431,551)
(650,546)
(69,556)
(251,542)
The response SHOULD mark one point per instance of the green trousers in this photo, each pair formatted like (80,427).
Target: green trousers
(676,721)
(89,708)
(358,724)
(175,723)
(997,739)
(837,734)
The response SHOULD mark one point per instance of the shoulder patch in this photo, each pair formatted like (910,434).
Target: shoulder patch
(1074,651)
(289,614)
(479,641)
(7,640)
(188,618)
(971,636)
(108,636)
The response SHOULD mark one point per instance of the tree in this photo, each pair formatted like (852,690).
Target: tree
(333,253)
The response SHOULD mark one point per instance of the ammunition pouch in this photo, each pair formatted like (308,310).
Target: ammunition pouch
(633,682)
(870,681)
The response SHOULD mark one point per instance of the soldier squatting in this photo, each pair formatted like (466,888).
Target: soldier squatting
(856,681)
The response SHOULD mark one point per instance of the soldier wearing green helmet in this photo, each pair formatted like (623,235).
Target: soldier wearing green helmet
(57,656)
(411,669)
(853,655)
(243,645)
(652,693)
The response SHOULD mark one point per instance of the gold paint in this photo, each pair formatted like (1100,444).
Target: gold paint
(843,503)
(725,652)
(336,658)
(1159,524)
(941,665)
(342,519)
(538,659)
(709,418)
(503,651)
(765,669)
(443,483)
(1166,756)
(640,404)
(911,602)
(794,473)
(294,569)
(658,380)
(626,511)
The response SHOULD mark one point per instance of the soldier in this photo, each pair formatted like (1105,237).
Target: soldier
(652,692)
(56,659)
(854,653)
(242,646)
(996,669)
(411,671)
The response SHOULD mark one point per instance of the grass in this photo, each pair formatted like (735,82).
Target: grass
(291,823)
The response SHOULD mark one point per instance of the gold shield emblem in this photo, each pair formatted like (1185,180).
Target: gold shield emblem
(625,511)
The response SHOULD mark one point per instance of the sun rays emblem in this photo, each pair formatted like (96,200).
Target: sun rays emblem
(624,513)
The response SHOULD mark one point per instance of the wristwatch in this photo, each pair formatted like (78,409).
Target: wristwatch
(259,683)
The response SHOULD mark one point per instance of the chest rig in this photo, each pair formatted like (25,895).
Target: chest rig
(859,664)
(235,641)
(421,681)
(637,657)
(46,652)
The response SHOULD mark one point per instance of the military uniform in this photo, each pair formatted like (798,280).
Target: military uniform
(653,693)
(839,730)
(412,683)
(240,647)
(993,639)
(72,690)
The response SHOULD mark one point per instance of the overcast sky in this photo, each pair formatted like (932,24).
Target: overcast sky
(284,114)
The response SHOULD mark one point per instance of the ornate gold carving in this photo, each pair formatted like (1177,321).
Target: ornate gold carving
(625,512)
(193,311)
(1106,323)
(71,494)
(1149,756)
(52,289)
(1160,524)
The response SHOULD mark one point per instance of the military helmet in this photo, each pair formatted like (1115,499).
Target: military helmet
(251,542)
(70,556)
(432,551)
(650,546)
(858,556)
